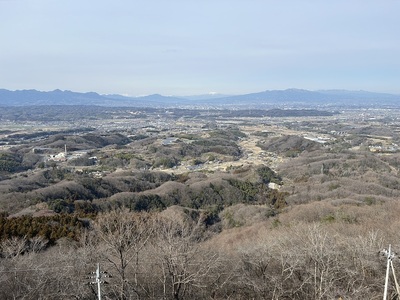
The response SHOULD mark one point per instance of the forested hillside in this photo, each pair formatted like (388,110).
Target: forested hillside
(217,212)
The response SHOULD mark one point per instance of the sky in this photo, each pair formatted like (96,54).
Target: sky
(188,47)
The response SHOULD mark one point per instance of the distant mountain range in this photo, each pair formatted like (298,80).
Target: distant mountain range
(289,97)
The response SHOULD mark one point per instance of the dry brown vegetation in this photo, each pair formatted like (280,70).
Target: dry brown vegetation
(196,219)
(313,252)
(362,178)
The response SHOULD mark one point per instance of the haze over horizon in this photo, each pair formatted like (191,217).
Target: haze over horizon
(189,48)
(213,94)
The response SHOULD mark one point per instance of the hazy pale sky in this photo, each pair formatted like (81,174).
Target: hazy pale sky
(186,47)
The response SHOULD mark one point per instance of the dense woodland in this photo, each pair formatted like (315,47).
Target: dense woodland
(198,234)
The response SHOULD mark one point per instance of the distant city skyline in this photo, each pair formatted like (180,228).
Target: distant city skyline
(189,47)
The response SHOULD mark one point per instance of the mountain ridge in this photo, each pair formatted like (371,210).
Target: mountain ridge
(268,97)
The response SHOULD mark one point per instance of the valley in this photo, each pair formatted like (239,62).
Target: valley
(243,192)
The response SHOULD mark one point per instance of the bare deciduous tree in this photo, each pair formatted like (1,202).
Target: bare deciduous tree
(183,263)
(14,247)
(123,235)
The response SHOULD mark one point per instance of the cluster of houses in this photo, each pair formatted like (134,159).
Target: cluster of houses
(64,155)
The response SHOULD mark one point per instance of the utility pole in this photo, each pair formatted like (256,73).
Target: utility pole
(395,280)
(389,256)
(98,281)
(99,275)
